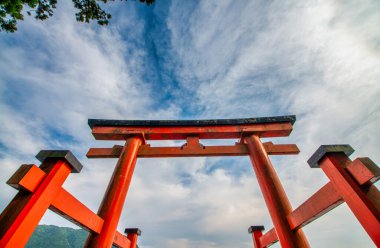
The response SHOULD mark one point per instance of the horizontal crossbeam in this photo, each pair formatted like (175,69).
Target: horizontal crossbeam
(146,151)
(269,238)
(324,200)
(121,240)
(181,133)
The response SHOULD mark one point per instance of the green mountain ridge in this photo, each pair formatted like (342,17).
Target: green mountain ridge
(57,237)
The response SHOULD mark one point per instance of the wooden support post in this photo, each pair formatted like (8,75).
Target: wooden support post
(333,160)
(132,235)
(113,200)
(256,232)
(277,202)
(22,215)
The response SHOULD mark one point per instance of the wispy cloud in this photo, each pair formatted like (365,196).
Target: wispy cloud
(204,59)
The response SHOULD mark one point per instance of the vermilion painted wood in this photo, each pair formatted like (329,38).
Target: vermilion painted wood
(64,203)
(327,198)
(269,238)
(373,195)
(362,172)
(146,151)
(113,201)
(181,133)
(276,200)
(364,210)
(73,210)
(133,238)
(280,149)
(121,241)
(365,170)
(324,200)
(113,152)
(19,227)
(256,235)
(28,177)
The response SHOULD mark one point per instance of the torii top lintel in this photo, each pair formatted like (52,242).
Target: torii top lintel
(181,129)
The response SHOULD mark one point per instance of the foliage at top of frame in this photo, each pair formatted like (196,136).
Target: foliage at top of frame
(88,10)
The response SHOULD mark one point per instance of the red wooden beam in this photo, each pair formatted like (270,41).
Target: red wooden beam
(280,149)
(358,202)
(365,173)
(73,210)
(257,233)
(113,200)
(121,241)
(324,200)
(373,195)
(181,133)
(28,178)
(269,238)
(274,195)
(22,215)
(132,234)
(146,151)
(364,170)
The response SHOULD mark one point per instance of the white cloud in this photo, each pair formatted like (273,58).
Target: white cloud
(235,59)
(317,60)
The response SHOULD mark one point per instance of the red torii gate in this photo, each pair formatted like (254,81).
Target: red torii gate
(41,187)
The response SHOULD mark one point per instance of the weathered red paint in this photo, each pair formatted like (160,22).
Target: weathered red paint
(365,171)
(113,201)
(147,151)
(27,178)
(121,240)
(133,238)
(274,194)
(364,210)
(256,235)
(67,206)
(23,214)
(181,133)
(269,238)
(324,200)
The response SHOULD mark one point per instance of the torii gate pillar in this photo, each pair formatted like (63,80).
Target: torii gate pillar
(274,195)
(113,201)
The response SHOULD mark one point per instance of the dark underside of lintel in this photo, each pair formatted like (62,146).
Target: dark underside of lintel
(173,123)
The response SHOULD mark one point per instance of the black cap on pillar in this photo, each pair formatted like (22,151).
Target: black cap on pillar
(251,229)
(324,149)
(61,154)
(133,231)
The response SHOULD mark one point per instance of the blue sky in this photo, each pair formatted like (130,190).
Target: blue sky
(319,60)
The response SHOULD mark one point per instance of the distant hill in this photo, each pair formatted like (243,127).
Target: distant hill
(57,237)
